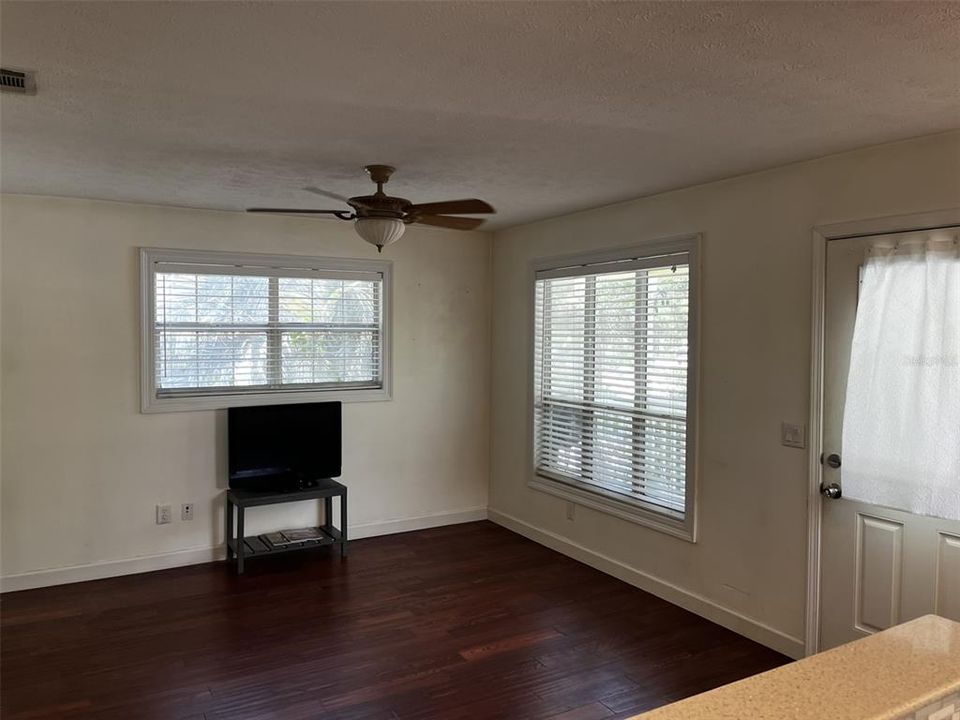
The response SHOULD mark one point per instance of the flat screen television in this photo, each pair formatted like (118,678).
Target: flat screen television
(283,447)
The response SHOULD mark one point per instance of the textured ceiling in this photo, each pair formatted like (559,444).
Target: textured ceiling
(540,108)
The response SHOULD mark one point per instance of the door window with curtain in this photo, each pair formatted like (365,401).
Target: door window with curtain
(614,404)
(226,329)
(901,424)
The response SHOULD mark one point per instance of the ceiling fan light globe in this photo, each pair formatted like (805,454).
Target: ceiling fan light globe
(379,231)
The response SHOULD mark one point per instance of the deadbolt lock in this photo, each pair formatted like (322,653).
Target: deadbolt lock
(832,460)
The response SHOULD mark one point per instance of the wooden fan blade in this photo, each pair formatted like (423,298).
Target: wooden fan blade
(454,207)
(325,193)
(454,223)
(297,211)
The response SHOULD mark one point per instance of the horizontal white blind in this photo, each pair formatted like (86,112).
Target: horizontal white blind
(222,329)
(611,364)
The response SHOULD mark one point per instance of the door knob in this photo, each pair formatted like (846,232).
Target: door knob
(831,491)
(833,460)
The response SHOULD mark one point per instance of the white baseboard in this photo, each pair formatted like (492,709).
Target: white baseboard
(748,627)
(193,556)
(422,522)
(110,568)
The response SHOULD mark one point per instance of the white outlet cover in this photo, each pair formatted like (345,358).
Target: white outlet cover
(186,511)
(164,514)
(793,435)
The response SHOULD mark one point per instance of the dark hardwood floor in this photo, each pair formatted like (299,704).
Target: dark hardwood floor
(466,621)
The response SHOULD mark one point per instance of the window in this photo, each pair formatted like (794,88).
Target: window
(614,391)
(901,415)
(230,329)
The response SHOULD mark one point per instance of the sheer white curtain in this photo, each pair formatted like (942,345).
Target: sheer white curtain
(901,426)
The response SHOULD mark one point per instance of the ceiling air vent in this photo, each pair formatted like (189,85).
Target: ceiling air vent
(17,81)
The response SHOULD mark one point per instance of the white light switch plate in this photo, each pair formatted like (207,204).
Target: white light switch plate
(793,435)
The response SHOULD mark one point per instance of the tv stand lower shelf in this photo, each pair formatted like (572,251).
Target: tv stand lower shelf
(241,547)
(257,545)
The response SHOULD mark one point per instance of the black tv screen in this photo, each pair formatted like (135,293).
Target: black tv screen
(283,440)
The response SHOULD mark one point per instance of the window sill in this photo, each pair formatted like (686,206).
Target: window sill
(218,402)
(677,526)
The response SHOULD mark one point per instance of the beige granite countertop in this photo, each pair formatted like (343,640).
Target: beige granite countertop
(882,677)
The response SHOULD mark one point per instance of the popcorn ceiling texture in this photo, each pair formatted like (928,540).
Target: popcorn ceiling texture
(540,108)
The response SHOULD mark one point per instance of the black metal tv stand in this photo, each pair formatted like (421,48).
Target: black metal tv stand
(241,548)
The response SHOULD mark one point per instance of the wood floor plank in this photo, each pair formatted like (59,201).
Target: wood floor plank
(465,621)
(592,711)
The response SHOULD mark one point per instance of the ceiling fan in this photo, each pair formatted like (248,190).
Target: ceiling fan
(381,219)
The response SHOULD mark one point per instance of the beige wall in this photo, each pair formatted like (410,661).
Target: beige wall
(82,469)
(748,567)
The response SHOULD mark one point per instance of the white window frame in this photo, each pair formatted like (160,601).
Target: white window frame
(150,403)
(683,525)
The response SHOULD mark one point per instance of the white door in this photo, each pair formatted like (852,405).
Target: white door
(880,566)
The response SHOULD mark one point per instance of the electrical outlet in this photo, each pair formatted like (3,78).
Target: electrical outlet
(571,511)
(186,511)
(164,514)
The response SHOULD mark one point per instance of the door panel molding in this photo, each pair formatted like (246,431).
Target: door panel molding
(879,563)
(947,598)
(821,235)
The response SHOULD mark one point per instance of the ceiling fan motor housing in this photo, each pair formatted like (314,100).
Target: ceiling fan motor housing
(380,206)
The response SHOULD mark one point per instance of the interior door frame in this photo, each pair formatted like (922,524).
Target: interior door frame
(822,234)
